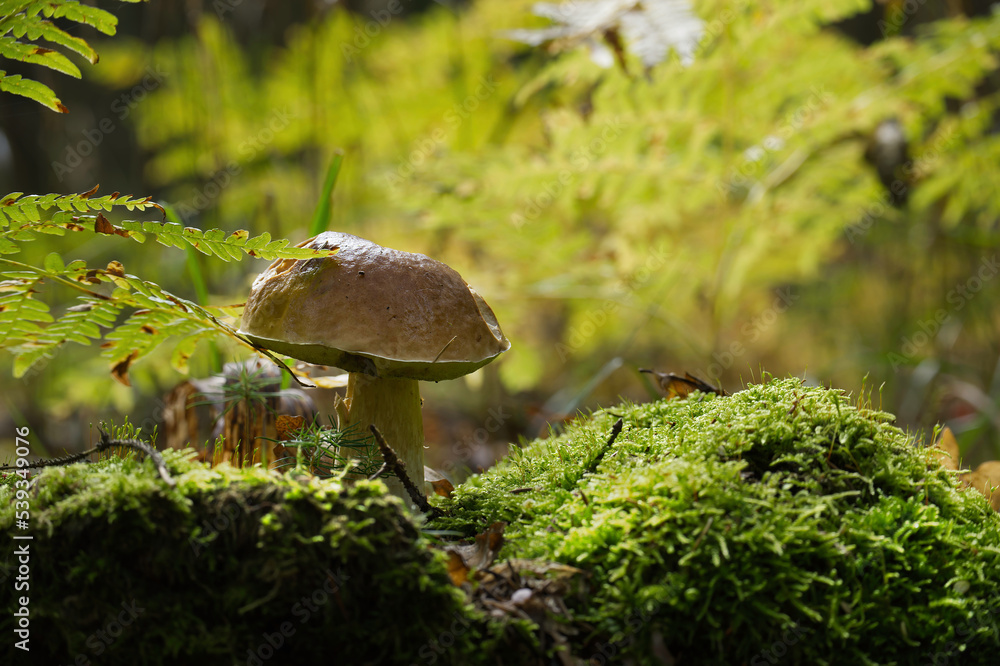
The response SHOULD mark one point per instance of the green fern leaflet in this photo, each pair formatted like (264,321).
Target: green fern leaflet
(29,330)
(21,20)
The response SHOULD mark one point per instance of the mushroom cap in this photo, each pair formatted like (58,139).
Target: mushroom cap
(374,310)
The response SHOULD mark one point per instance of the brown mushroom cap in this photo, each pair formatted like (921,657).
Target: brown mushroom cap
(374,310)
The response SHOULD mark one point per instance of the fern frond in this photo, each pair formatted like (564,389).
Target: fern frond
(71,10)
(21,26)
(146,329)
(37,55)
(17,207)
(21,216)
(80,324)
(29,331)
(41,93)
(23,20)
(215,242)
(20,314)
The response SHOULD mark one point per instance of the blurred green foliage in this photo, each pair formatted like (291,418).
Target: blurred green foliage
(607,212)
(151,315)
(710,216)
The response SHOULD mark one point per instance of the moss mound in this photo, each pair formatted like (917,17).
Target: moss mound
(780,523)
(232,566)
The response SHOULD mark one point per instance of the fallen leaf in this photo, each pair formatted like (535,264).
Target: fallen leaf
(286,425)
(478,555)
(986,479)
(945,450)
(533,590)
(676,386)
(457,569)
(440,484)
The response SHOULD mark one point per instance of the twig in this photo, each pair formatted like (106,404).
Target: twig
(381,470)
(615,430)
(399,469)
(105,444)
(447,344)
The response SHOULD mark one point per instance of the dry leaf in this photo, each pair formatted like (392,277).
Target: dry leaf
(533,590)
(102,226)
(438,482)
(336,381)
(945,450)
(443,487)
(457,569)
(478,555)
(985,479)
(287,425)
(120,370)
(676,386)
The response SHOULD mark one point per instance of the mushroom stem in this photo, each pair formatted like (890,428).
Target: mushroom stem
(393,406)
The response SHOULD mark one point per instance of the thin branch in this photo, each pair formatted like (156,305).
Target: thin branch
(399,469)
(105,444)
(615,430)
(381,470)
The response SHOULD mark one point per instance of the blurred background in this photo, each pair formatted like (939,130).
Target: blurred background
(723,188)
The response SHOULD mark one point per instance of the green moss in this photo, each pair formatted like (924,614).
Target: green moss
(781,517)
(780,523)
(214,570)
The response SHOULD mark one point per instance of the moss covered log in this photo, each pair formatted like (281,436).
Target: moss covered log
(783,524)
(231,566)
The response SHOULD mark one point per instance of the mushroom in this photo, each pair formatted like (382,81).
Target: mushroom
(389,318)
